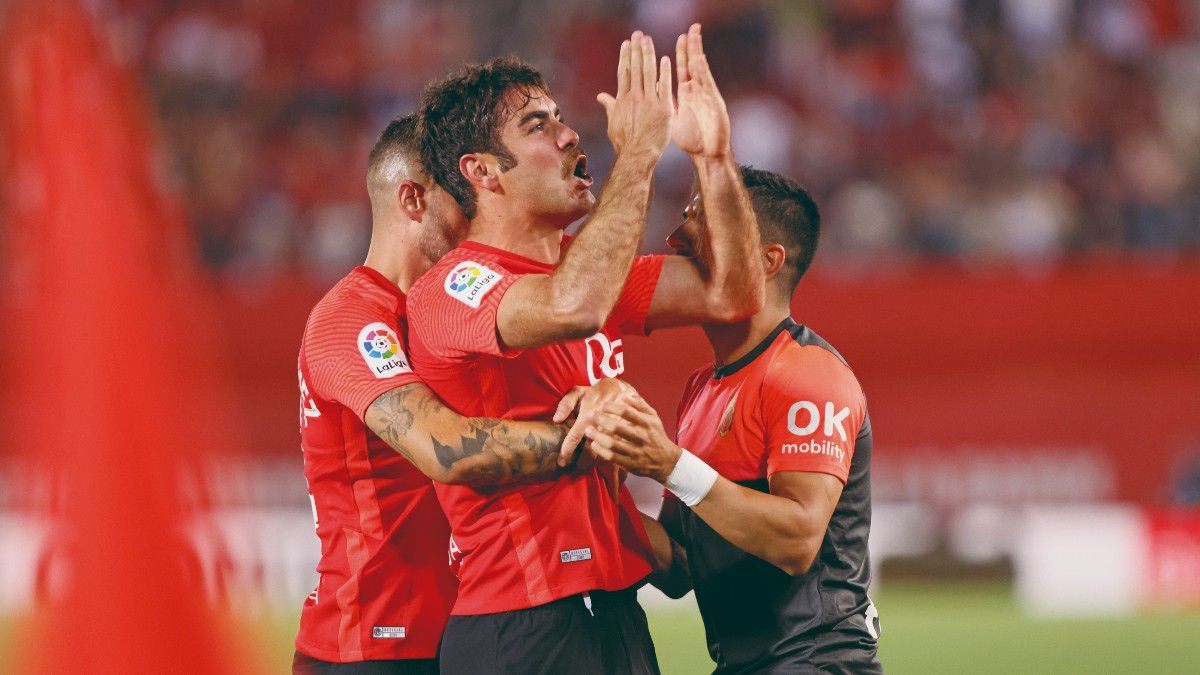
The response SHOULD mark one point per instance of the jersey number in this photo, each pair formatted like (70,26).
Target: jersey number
(308,406)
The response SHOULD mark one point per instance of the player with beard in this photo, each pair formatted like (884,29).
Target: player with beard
(513,318)
(774,506)
(373,435)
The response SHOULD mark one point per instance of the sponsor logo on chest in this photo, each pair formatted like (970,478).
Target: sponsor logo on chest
(605,357)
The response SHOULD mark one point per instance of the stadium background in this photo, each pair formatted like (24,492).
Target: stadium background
(1011,201)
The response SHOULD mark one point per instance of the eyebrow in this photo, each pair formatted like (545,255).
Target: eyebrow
(538,115)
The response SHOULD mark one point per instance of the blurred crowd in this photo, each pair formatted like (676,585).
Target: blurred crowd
(967,129)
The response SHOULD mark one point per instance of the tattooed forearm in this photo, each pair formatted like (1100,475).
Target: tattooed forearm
(447,455)
(394,419)
(414,422)
(502,453)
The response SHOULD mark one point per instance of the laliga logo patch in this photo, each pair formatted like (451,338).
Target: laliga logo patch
(469,281)
(381,350)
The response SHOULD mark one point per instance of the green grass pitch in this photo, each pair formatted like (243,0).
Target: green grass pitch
(928,628)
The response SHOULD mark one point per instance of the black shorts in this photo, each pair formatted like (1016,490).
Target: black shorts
(302,664)
(563,636)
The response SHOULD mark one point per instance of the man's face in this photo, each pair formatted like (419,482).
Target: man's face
(689,239)
(550,177)
(443,224)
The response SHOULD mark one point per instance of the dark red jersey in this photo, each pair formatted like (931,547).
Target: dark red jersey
(783,407)
(385,590)
(790,404)
(532,543)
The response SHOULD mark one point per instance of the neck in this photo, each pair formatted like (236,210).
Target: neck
(395,253)
(516,232)
(732,341)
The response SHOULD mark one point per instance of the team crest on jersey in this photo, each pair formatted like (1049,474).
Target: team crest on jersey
(726,422)
(469,281)
(380,348)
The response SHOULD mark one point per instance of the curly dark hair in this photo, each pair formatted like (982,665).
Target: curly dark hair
(786,215)
(463,113)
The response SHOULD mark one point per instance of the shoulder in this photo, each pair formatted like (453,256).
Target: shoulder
(464,275)
(346,306)
(801,361)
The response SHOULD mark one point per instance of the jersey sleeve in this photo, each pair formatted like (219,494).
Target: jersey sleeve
(629,314)
(813,409)
(453,308)
(354,354)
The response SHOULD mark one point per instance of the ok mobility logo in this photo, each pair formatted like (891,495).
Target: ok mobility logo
(832,421)
(469,281)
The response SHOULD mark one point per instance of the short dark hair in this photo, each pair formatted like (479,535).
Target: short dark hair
(400,140)
(786,215)
(464,112)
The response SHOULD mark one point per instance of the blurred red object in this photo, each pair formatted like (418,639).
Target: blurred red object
(113,403)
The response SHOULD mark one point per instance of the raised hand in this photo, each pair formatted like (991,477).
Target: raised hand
(641,112)
(701,124)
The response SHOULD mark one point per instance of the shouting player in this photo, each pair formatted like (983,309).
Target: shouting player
(385,588)
(774,506)
(510,320)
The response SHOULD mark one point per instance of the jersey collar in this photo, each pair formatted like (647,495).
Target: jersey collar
(506,256)
(383,282)
(731,368)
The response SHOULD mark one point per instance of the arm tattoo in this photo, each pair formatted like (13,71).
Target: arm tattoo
(397,419)
(499,453)
(485,451)
(447,455)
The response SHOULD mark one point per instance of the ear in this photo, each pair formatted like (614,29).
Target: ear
(774,258)
(480,170)
(410,196)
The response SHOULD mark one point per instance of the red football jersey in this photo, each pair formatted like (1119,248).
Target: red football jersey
(532,543)
(785,406)
(385,590)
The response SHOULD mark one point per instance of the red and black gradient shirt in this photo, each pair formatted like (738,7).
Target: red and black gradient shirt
(790,404)
(385,588)
(529,544)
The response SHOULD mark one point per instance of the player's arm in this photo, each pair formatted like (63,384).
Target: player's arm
(575,300)
(672,575)
(784,528)
(450,448)
(725,281)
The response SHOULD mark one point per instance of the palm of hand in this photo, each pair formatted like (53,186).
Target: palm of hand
(701,125)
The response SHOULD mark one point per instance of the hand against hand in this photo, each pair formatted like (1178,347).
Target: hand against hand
(701,125)
(630,434)
(639,116)
(585,402)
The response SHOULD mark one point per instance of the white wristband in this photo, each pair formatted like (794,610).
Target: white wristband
(691,479)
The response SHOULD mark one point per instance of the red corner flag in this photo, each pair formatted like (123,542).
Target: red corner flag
(106,380)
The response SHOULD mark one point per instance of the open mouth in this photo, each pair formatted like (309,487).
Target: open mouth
(580,169)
